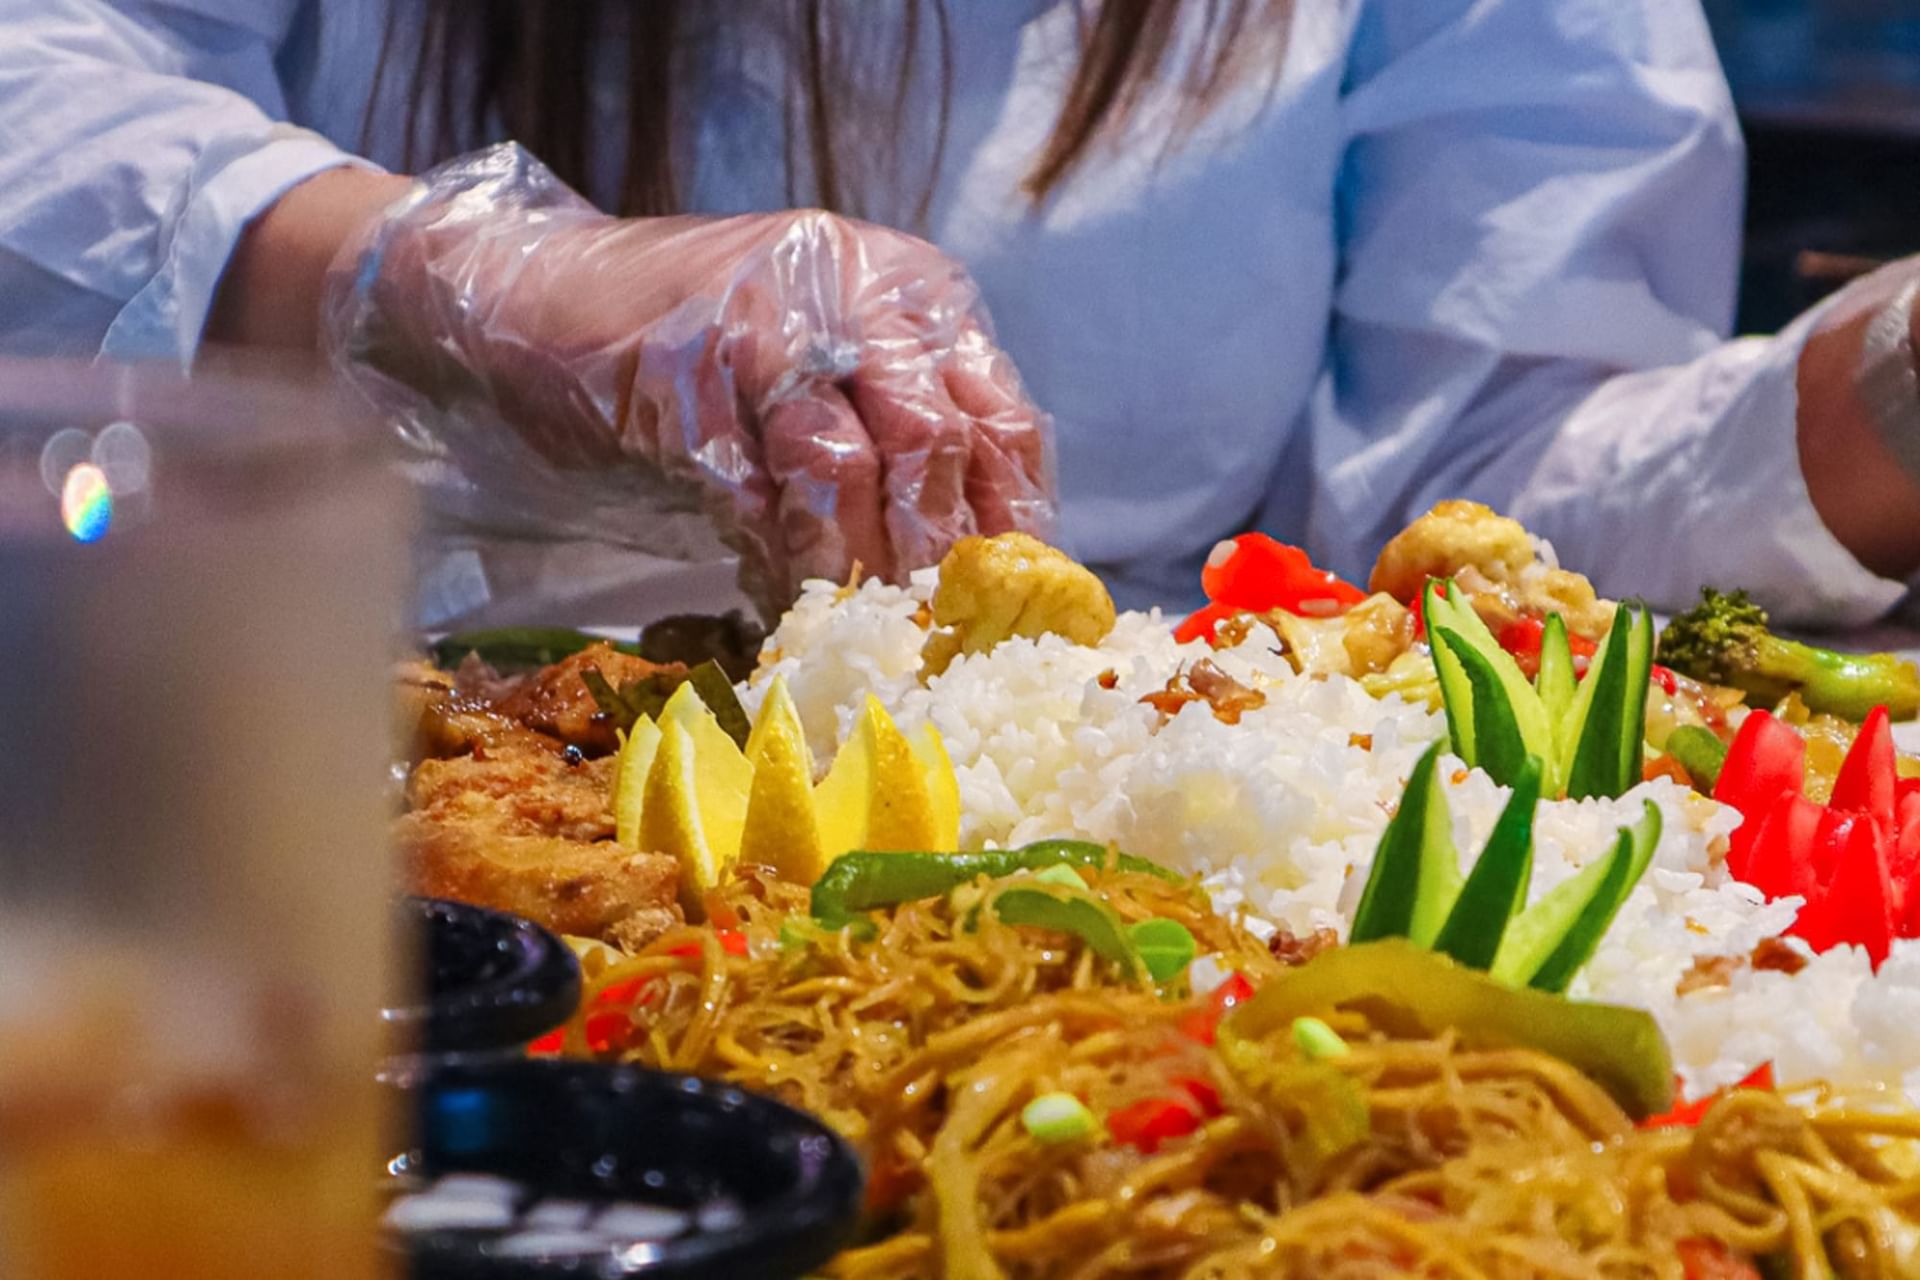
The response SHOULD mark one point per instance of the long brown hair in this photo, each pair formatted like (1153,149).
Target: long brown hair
(524,65)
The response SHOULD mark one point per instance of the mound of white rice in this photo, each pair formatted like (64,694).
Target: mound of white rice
(1279,814)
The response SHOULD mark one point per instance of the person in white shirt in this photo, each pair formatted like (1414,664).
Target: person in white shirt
(1304,267)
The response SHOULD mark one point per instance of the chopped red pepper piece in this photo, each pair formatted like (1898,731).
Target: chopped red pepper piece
(1204,1095)
(732,941)
(1201,624)
(607,1030)
(1203,1023)
(1667,679)
(1688,1114)
(548,1045)
(1148,1123)
(1255,573)
(1711,1260)
(632,991)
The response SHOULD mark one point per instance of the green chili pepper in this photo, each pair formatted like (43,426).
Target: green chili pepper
(858,882)
(1700,752)
(1080,914)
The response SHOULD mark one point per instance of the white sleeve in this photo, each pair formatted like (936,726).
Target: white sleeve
(137,141)
(1540,216)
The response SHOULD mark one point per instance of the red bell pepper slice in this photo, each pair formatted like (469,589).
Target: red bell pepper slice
(1203,1024)
(1685,1115)
(548,1045)
(1148,1123)
(1765,759)
(1259,573)
(1857,904)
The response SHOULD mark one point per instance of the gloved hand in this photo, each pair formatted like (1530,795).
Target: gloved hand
(825,392)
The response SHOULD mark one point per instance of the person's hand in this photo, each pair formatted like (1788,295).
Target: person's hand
(825,390)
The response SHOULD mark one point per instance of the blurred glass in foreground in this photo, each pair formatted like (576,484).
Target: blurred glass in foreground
(198,587)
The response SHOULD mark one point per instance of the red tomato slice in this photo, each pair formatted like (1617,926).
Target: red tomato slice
(1778,855)
(1856,907)
(1765,759)
(1869,781)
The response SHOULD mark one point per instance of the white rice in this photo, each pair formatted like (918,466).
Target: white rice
(1280,813)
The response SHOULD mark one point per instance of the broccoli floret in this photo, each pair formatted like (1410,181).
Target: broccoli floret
(1725,640)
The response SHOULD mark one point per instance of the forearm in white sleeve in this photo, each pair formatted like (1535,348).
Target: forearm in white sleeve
(140,139)
(1538,270)
(1677,478)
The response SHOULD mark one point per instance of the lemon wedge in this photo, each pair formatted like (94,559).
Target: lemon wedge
(782,830)
(694,804)
(630,780)
(876,795)
(943,787)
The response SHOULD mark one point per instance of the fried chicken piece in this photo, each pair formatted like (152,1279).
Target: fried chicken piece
(524,785)
(436,719)
(993,589)
(522,825)
(590,890)
(556,699)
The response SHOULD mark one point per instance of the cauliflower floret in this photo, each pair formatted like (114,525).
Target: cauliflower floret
(1451,537)
(1493,560)
(992,589)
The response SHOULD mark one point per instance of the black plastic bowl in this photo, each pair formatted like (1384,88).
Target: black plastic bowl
(492,981)
(584,1132)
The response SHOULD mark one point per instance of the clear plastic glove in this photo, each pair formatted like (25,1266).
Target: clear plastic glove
(819,392)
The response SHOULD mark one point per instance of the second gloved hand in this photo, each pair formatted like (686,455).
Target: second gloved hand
(825,391)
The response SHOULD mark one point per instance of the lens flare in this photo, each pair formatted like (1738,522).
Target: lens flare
(86,503)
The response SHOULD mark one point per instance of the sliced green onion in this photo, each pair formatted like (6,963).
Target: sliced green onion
(1165,947)
(1317,1040)
(1054,1118)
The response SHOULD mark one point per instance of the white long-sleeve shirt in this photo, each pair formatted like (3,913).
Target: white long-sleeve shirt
(1480,248)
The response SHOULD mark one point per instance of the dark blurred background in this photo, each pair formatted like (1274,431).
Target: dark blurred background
(1829,93)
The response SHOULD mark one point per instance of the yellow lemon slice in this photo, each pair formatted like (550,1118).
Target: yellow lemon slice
(943,787)
(630,780)
(695,805)
(876,795)
(782,830)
